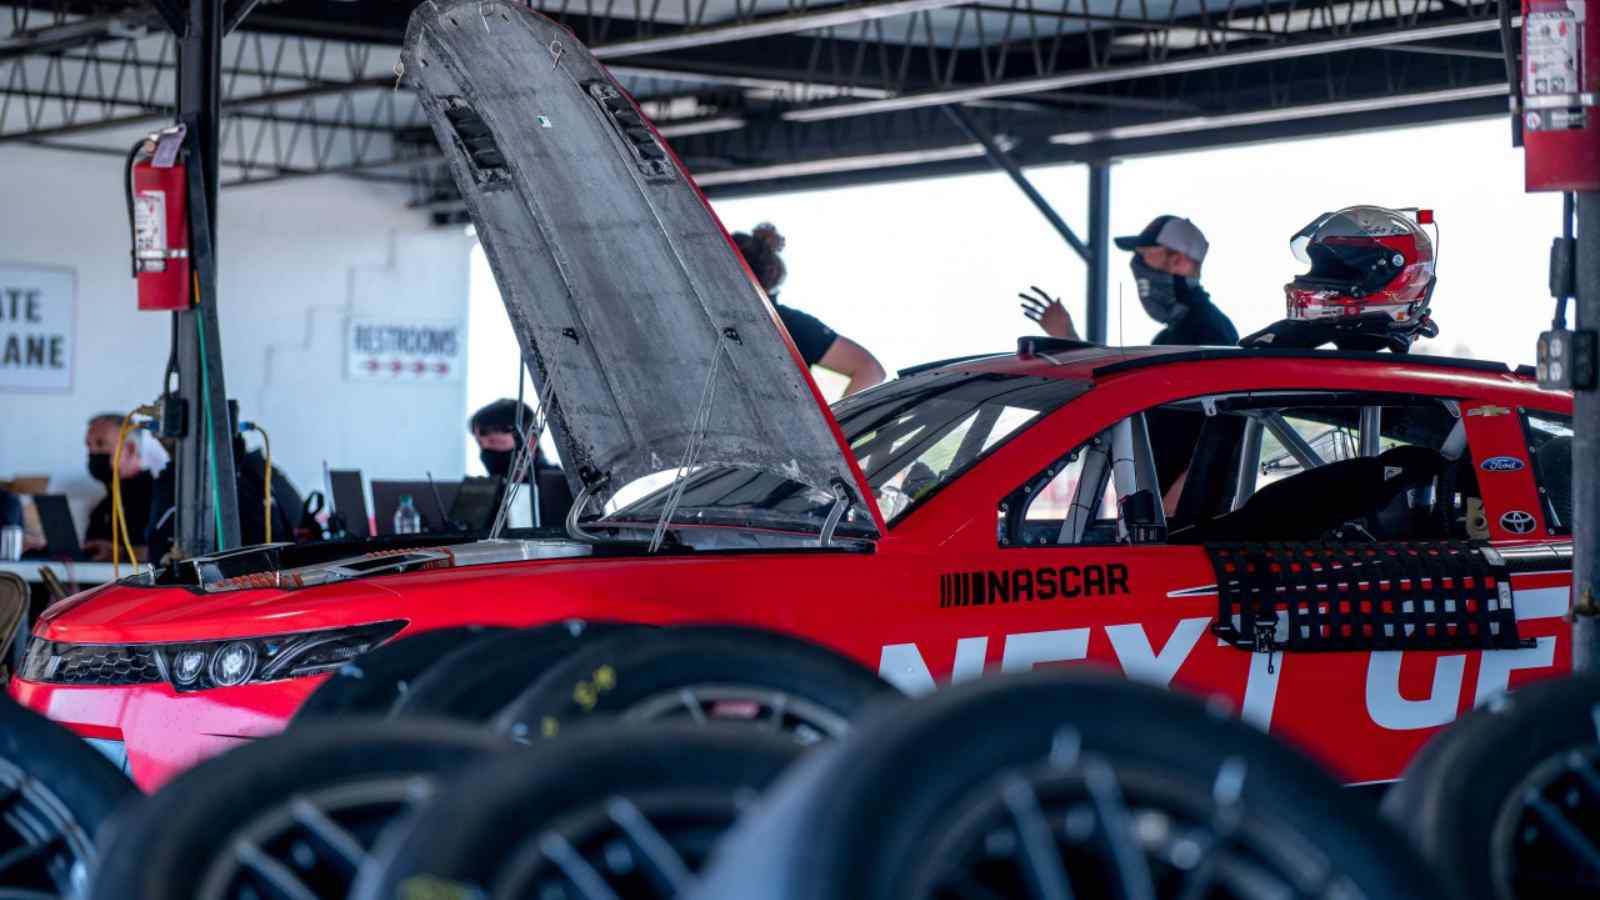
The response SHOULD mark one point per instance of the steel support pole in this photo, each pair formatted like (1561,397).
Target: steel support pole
(1586,454)
(207,495)
(1097,296)
(1003,161)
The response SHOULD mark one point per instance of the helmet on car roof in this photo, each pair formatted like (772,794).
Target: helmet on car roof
(1365,260)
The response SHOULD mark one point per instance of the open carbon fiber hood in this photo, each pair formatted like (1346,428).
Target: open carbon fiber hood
(623,288)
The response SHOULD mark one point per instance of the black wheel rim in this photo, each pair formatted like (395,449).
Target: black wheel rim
(805,721)
(311,846)
(1078,826)
(640,846)
(1546,840)
(44,851)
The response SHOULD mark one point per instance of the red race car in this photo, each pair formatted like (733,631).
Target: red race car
(1351,547)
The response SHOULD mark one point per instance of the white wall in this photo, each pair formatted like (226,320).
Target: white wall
(298,258)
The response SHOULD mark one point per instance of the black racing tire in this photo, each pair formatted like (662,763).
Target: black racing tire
(477,680)
(184,842)
(981,789)
(491,828)
(370,685)
(802,689)
(55,794)
(1465,799)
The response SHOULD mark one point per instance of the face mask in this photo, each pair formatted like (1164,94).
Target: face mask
(498,462)
(100,467)
(1162,294)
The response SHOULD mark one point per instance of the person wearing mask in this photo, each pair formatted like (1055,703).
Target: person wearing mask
(1167,256)
(495,429)
(818,344)
(143,459)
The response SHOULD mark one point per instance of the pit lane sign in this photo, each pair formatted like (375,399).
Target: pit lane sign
(37,328)
(415,351)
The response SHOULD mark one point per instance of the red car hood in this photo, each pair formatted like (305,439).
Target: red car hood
(122,613)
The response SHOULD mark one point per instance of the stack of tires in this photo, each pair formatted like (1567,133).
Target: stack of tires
(1505,803)
(56,793)
(608,761)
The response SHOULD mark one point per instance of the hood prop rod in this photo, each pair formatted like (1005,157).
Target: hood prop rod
(691,448)
(581,502)
(525,466)
(841,502)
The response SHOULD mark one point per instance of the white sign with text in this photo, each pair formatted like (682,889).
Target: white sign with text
(386,350)
(37,327)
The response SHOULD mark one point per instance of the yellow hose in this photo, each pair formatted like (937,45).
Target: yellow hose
(267,443)
(119,520)
(120,538)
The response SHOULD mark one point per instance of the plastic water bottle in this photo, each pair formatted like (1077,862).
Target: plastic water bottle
(406,519)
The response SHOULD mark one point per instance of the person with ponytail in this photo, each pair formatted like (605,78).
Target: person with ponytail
(818,344)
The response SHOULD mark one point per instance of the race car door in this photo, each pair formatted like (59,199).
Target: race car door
(1107,557)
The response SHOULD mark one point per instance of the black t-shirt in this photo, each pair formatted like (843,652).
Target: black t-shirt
(811,337)
(250,491)
(137,492)
(287,506)
(1202,326)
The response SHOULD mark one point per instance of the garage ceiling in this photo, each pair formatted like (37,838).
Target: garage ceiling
(779,94)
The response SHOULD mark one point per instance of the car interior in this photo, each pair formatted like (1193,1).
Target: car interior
(1259,466)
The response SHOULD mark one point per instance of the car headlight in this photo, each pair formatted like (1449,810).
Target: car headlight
(200,665)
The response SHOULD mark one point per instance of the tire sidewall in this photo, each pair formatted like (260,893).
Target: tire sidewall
(620,672)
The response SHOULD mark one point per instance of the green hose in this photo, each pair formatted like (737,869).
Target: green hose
(211,435)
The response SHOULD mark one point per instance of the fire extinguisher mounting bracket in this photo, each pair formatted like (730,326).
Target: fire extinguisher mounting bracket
(169,141)
(1560,101)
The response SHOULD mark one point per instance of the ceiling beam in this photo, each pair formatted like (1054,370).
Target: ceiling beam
(1284,114)
(1193,63)
(230,105)
(770,26)
(78,33)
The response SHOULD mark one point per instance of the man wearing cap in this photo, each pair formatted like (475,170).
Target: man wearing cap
(1167,256)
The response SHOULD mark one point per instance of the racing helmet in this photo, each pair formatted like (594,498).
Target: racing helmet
(1365,260)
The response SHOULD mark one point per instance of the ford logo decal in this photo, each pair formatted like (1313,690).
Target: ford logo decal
(1502,464)
(1517,522)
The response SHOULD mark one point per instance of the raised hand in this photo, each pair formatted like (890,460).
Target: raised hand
(1052,317)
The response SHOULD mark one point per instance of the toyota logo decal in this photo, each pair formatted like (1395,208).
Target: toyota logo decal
(1517,522)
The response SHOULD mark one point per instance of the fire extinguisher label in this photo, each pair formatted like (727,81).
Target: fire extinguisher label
(150,230)
(1553,67)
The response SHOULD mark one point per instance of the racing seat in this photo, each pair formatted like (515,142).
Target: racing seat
(1306,506)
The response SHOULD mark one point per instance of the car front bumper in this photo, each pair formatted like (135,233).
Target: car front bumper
(152,732)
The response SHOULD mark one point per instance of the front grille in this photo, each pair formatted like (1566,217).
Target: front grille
(90,664)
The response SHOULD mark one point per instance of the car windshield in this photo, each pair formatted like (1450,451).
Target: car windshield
(910,437)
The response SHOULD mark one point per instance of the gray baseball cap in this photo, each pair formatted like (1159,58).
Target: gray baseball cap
(1172,232)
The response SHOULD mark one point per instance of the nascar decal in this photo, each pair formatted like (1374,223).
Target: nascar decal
(983,588)
(1501,464)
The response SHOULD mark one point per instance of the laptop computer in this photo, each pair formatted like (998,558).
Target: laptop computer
(386,499)
(476,503)
(60,531)
(350,501)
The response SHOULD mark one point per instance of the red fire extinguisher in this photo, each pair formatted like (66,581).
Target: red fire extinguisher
(1560,77)
(158,204)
